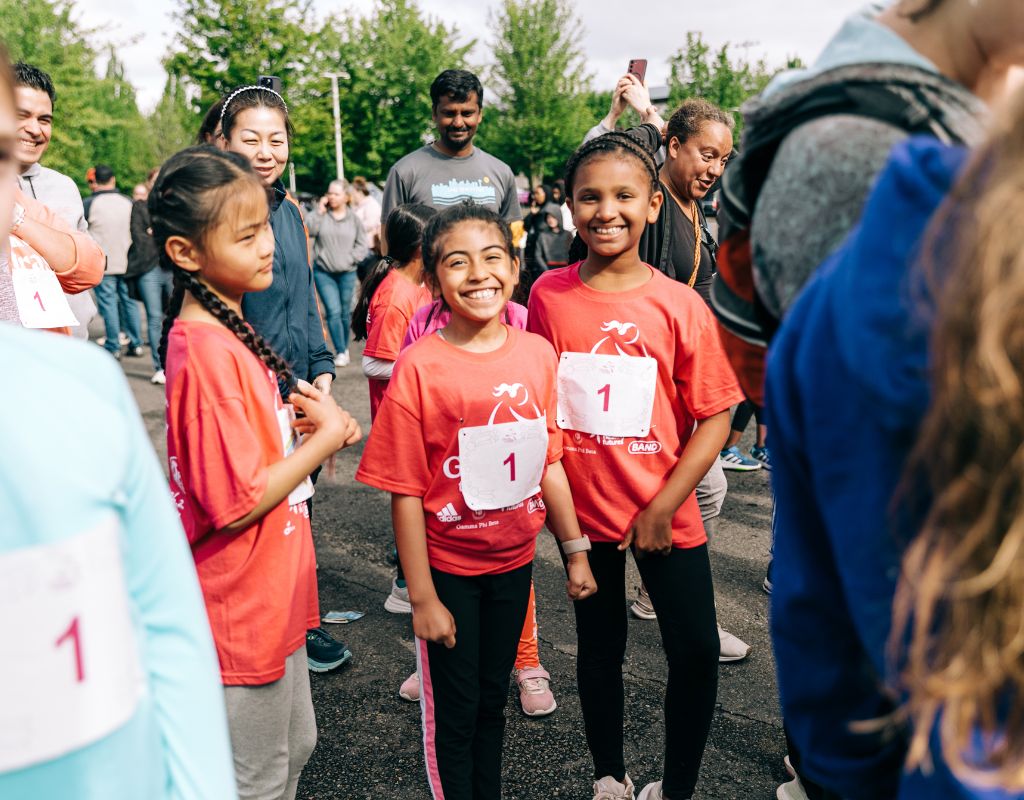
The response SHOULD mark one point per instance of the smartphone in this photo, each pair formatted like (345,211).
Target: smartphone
(638,67)
(274,82)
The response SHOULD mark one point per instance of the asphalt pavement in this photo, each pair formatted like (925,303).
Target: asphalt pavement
(370,743)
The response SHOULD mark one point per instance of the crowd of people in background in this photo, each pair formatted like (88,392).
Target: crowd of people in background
(587,361)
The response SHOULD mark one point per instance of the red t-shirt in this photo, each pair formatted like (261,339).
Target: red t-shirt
(413,449)
(614,478)
(222,436)
(391,309)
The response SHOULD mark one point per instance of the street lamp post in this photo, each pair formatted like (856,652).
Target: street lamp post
(337,123)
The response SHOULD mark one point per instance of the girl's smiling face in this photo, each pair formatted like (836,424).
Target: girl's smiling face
(612,203)
(260,135)
(474,271)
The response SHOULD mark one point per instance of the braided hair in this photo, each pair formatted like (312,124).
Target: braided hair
(615,142)
(188,200)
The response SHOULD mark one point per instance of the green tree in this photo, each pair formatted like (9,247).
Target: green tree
(222,44)
(387,61)
(695,71)
(95,119)
(172,124)
(541,110)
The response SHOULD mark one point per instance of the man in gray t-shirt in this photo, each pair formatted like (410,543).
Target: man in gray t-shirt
(452,170)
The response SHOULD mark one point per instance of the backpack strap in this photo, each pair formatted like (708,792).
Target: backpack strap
(746,325)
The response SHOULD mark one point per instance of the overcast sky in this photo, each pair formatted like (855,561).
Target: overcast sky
(615,30)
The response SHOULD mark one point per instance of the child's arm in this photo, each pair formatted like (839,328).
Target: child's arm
(563,524)
(651,531)
(431,621)
(329,429)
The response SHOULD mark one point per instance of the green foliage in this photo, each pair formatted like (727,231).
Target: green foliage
(717,77)
(388,61)
(542,107)
(96,120)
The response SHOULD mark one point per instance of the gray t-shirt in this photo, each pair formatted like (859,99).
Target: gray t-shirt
(434,179)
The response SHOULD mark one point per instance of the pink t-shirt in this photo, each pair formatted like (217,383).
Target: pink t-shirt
(432,318)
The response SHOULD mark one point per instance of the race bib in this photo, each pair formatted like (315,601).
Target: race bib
(502,465)
(41,301)
(289,439)
(609,395)
(69,663)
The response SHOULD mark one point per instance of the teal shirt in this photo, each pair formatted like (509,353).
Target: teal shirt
(74,453)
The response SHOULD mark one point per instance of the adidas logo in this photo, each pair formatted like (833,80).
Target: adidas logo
(449,514)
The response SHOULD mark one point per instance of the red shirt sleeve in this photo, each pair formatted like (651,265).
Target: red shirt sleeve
(702,371)
(395,457)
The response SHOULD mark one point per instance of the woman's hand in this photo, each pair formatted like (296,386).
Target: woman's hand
(323,418)
(580,584)
(432,622)
(650,533)
(635,93)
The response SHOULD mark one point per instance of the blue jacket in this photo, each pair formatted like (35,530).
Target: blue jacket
(846,391)
(286,314)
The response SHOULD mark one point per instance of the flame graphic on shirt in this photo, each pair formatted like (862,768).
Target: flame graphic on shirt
(622,331)
(513,390)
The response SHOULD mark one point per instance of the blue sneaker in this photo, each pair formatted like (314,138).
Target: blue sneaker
(761,454)
(324,652)
(733,459)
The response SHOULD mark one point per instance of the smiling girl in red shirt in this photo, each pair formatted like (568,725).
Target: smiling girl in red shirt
(465,440)
(238,479)
(641,367)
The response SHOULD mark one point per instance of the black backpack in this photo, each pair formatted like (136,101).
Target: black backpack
(745,324)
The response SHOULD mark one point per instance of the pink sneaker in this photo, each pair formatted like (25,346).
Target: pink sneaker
(535,692)
(410,688)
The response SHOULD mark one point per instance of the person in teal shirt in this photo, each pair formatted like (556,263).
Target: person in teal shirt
(109,686)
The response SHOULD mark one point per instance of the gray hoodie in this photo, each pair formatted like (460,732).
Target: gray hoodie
(821,175)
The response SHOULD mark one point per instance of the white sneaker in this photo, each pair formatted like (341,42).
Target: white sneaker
(791,790)
(610,789)
(398,601)
(731,648)
(342,359)
(651,791)
(642,607)
(159,378)
(410,688)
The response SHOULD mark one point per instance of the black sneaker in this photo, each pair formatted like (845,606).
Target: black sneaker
(766,584)
(323,652)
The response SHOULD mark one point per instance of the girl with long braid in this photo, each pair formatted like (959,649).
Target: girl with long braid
(238,478)
(644,392)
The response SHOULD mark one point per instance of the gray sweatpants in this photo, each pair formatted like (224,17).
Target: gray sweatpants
(711,493)
(273,732)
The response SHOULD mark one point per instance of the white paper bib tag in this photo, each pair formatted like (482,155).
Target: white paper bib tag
(609,395)
(41,301)
(502,465)
(69,663)
(285,418)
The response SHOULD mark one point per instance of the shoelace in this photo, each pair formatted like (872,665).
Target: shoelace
(609,794)
(535,685)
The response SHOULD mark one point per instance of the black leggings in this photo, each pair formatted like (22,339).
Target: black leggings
(683,597)
(744,411)
(464,690)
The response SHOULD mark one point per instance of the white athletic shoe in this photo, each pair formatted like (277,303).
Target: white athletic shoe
(731,648)
(410,688)
(642,607)
(610,789)
(398,601)
(158,378)
(651,791)
(341,359)
(791,790)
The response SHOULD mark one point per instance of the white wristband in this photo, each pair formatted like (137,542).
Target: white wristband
(580,545)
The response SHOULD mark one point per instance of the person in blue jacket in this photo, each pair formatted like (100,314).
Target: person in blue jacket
(848,374)
(255,124)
